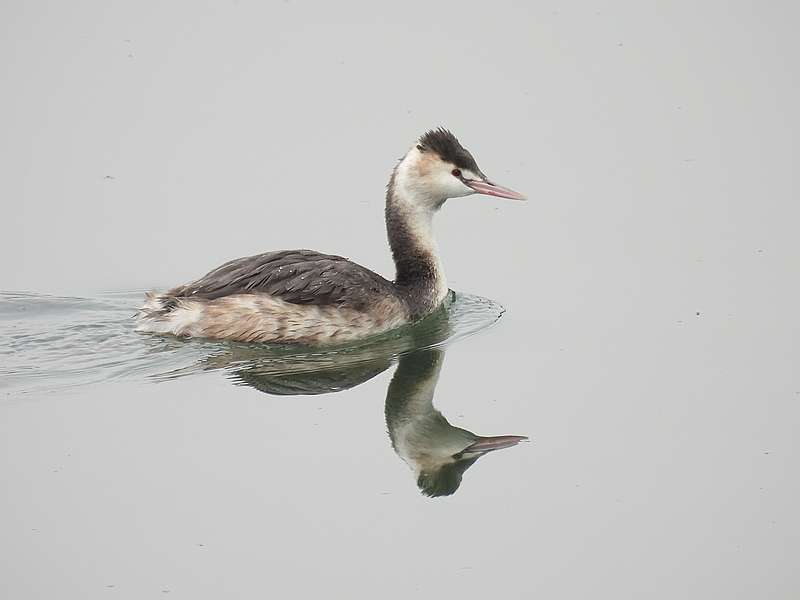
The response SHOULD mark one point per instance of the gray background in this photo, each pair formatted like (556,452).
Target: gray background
(651,343)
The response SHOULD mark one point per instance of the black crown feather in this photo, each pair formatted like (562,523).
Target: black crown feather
(449,149)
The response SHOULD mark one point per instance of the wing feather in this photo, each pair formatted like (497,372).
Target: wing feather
(296,276)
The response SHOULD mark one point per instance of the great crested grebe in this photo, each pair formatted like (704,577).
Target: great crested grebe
(306,297)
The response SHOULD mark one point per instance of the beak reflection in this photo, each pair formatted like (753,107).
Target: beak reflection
(438,452)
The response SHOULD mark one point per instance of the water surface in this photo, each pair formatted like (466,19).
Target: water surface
(649,350)
(50,343)
(53,344)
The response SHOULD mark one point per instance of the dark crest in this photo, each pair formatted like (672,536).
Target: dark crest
(449,149)
(446,480)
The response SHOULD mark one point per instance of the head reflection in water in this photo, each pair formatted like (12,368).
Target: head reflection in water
(438,452)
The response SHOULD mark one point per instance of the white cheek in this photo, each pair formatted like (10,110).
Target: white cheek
(451,186)
(460,189)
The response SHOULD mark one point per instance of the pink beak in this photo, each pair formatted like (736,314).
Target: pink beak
(484,186)
(498,442)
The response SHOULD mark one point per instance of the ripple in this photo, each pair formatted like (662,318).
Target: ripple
(49,343)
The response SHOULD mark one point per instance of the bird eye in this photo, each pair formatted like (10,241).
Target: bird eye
(456,172)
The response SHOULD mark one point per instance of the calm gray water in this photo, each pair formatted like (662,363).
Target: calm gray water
(649,347)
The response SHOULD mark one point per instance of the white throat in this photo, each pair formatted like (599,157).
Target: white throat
(413,203)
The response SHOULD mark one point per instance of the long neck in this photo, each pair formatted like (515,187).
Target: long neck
(409,225)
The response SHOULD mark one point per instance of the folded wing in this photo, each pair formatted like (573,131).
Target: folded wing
(295,276)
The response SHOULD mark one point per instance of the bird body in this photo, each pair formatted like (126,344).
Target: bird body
(307,297)
(297,296)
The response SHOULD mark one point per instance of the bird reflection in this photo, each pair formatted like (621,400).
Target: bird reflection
(437,452)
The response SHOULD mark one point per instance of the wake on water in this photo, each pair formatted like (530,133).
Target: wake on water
(55,343)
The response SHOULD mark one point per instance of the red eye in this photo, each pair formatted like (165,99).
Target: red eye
(456,172)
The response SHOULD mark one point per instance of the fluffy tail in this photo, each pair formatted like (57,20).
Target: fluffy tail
(162,313)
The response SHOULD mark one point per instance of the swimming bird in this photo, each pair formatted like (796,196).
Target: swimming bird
(307,297)
(436,451)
